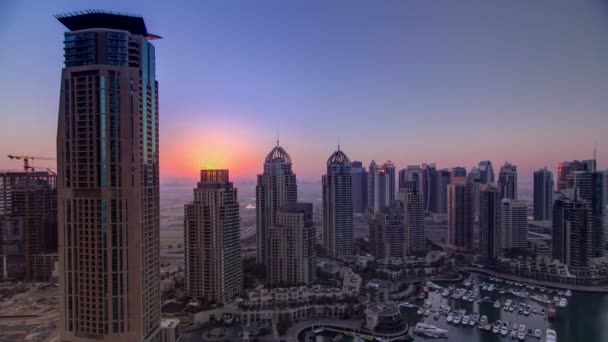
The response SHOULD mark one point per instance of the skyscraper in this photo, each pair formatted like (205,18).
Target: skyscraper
(338,206)
(28,222)
(413,175)
(460,217)
(513,224)
(474,179)
(429,184)
(212,232)
(507,181)
(486,173)
(413,207)
(275,188)
(590,185)
(489,223)
(107,180)
(443,179)
(543,195)
(564,168)
(387,236)
(381,186)
(458,172)
(572,229)
(292,252)
(359,180)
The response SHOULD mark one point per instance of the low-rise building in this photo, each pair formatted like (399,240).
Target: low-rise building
(547,269)
(169,331)
(384,318)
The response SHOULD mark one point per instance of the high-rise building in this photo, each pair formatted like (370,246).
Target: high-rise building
(458,172)
(28,223)
(338,206)
(443,179)
(572,229)
(275,188)
(387,236)
(543,195)
(507,181)
(212,233)
(107,180)
(359,176)
(292,252)
(513,224)
(413,175)
(486,173)
(590,185)
(474,179)
(429,184)
(380,185)
(413,208)
(564,168)
(489,223)
(460,217)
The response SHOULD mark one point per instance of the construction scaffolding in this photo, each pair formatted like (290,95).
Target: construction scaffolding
(28,222)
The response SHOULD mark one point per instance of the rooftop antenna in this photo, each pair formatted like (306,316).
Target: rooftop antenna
(595,150)
(338,143)
(277,137)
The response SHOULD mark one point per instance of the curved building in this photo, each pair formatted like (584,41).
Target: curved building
(338,206)
(275,188)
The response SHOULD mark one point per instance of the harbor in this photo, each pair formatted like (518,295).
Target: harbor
(482,308)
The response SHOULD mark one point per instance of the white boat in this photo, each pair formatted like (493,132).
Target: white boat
(551,335)
(504,329)
(450,318)
(542,299)
(483,320)
(445,292)
(420,311)
(496,327)
(537,333)
(497,304)
(466,319)
(555,299)
(457,319)
(436,315)
(428,329)
(513,334)
(472,323)
(568,293)
(521,335)
(427,313)
(563,303)
(491,287)
(515,326)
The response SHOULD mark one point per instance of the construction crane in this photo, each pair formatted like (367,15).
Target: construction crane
(26,222)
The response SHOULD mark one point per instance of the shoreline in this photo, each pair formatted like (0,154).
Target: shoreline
(572,287)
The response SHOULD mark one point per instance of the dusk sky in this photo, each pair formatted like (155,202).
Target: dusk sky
(450,82)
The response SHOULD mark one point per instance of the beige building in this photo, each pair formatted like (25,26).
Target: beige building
(292,248)
(214,268)
(107,180)
(460,216)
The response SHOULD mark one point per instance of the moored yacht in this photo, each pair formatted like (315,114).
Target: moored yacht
(496,327)
(568,293)
(428,329)
(537,333)
(551,335)
(563,302)
(497,304)
(450,318)
(504,329)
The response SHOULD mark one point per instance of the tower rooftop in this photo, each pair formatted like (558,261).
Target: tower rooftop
(88,19)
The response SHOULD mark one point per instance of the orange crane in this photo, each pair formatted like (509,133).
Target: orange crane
(26,224)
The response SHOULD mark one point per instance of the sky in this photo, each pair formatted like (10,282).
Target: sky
(449,82)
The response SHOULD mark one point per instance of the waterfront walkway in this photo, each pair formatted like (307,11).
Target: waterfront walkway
(581,288)
(340,326)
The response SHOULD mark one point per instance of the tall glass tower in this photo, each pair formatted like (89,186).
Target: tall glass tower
(338,206)
(107,180)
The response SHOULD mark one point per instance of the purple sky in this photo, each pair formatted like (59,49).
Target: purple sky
(450,82)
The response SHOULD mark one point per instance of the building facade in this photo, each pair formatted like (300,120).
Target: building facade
(212,232)
(275,188)
(489,223)
(429,184)
(107,180)
(380,185)
(338,206)
(387,237)
(486,173)
(28,222)
(292,242)
(513,224)
(507,181)
(590,185)
(460,217)
(359,192)
(543,195)
(443,179)
(572,229)
(412,202)
(564,168)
